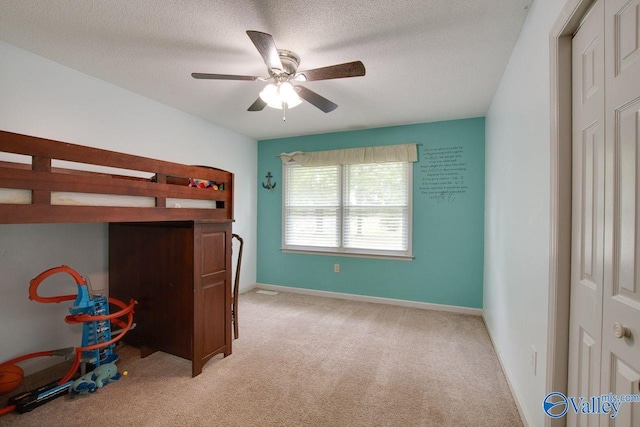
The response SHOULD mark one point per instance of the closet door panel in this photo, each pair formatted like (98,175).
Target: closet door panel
(621,302)
(588,212)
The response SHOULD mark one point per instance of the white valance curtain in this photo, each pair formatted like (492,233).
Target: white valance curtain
(352,156)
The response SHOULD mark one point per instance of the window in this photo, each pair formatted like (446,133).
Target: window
(360,209)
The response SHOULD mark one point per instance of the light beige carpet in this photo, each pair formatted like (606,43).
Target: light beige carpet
(309,361)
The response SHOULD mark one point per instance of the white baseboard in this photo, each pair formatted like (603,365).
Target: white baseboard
(32,366)
(516,396)
(376,300)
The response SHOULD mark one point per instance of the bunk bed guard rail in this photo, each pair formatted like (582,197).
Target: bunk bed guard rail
(46,181)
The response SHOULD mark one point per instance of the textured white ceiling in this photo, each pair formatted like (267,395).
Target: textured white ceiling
(426,60)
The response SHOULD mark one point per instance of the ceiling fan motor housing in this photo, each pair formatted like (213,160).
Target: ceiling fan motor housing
(290,62)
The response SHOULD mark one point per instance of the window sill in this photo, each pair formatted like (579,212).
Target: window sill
(349,254)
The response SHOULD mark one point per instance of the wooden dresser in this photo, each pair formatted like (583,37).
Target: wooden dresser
(180,274)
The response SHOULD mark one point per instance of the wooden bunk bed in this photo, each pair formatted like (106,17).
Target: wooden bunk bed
(169,242)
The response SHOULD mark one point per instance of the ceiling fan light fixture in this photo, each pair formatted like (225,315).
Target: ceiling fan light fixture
(289,95)
(269,92)
(275,95)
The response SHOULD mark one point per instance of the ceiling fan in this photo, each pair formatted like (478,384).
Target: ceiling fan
(283,70)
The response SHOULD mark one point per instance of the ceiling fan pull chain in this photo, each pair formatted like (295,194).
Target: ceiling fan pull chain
(284,111)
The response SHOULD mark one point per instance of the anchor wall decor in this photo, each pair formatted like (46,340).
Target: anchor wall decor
(269,185)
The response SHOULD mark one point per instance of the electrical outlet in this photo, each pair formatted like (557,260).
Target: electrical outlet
(534,359)
(336,268)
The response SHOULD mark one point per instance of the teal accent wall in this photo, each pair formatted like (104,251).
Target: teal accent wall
(448,219)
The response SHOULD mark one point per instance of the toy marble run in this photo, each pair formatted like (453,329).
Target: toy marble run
(97,340)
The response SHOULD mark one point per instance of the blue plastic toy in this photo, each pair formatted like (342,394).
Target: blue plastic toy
(96,331)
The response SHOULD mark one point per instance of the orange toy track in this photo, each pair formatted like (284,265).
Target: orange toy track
(126,310)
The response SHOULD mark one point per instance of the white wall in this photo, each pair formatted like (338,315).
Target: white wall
(516,278)
(42,98)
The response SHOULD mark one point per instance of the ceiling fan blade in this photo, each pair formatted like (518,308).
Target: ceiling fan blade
(313,98)
(267,48)
(223,77)
(258,105)
(349,69)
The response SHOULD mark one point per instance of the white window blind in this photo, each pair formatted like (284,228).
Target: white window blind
(376,206)
(312,206)
(360,209)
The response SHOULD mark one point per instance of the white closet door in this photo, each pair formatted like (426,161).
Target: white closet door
(621,302)
(588,212)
